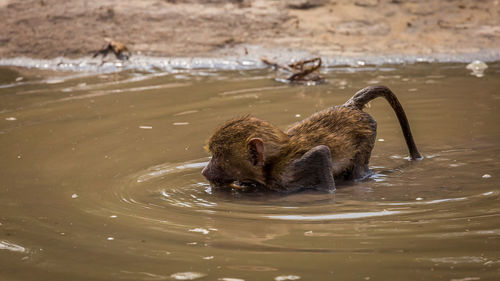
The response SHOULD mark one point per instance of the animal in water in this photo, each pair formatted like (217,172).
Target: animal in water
(119,49)
(330,146)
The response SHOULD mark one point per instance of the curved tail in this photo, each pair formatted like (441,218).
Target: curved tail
(362,97)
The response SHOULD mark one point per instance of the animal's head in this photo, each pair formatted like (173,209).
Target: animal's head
(240,149)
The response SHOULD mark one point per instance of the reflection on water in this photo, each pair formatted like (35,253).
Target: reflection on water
(335,216)
(100,179)
(6,245)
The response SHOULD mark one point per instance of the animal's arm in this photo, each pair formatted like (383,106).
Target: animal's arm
(312,170)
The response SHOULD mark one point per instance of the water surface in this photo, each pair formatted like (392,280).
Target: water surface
(100,179)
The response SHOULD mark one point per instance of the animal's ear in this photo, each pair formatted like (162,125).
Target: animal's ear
(256,151)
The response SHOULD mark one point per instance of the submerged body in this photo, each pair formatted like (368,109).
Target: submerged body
(349,133)
(331,145)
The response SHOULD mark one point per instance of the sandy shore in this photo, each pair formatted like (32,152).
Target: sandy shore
(217,28)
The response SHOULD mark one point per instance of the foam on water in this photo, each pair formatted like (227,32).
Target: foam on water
(247,62)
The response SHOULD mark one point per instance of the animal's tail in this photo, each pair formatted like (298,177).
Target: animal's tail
(362,97)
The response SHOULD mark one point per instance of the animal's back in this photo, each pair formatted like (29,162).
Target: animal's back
(349,133)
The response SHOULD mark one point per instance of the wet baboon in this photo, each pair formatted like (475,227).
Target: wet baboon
(331,145)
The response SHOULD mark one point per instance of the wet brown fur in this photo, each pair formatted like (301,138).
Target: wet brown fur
(228,145)
(348,132)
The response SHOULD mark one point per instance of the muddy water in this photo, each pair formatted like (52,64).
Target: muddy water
(100,180)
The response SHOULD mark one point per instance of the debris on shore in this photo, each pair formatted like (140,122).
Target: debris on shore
(477,68)
(301,72)
(119,49)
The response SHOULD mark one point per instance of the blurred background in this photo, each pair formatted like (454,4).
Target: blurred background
(53,28)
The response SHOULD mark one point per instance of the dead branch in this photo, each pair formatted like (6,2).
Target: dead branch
(301,71)
(119,49)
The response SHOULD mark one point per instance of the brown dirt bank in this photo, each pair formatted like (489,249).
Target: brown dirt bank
(52,28)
